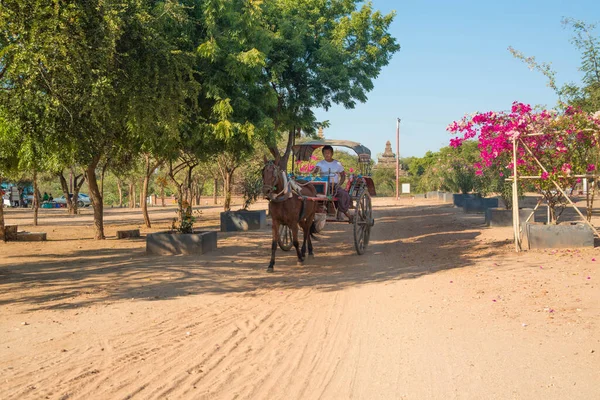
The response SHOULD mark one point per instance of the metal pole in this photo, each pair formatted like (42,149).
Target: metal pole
(397,158)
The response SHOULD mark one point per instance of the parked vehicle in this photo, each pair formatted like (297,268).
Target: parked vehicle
(83,200)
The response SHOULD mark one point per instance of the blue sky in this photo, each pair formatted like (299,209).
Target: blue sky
(453,61)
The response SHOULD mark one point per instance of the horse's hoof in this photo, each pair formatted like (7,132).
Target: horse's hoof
(270,269)
(311,256)
(300,263)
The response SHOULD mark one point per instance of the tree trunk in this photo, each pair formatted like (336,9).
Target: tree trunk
(215,191)
(120,189)
(96,199)
(188,188)
(144,193)
(36,198)
(162,195)
(76,188)
(282,160)
(142,199)
(64,185)
(198,194)
(2,234)
(131,196)
(227,185)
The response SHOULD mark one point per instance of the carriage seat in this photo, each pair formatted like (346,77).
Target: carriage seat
(319,182)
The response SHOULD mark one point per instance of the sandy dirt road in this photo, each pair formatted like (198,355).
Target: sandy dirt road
(440,307)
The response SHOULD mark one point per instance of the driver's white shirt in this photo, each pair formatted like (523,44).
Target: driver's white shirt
(332,169)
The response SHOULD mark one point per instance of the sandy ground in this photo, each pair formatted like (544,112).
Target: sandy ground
(440,307)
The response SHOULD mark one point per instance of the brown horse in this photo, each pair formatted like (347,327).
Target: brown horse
(288,206)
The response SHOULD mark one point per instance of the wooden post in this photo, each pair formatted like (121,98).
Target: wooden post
(515,202)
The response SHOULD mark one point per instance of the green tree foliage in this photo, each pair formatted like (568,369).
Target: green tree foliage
(321,53)
(587,94)
(96,75)
(100,85)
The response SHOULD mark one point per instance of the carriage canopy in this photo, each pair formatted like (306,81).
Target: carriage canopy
(303,151)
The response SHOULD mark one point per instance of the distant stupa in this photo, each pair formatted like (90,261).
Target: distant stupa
(321,135)
(388,159)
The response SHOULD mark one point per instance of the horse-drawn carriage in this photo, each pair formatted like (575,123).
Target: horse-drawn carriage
(321,199)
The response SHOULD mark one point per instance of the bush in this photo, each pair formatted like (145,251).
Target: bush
(251,186)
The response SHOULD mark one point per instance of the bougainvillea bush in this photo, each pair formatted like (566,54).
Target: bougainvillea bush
(565,143)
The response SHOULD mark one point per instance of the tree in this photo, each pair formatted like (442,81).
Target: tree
(321,53)
(8,157)
(102,73)
(586,96)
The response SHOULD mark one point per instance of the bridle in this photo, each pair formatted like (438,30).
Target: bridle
(270,188)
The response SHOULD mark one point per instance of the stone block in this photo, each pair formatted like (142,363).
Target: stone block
(564,235)
(243,220)
(31,236)
(458,199)
(478,204)
(501,217)
(173,242)
(130,233)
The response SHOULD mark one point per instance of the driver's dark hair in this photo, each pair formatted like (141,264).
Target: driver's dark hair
(326,147)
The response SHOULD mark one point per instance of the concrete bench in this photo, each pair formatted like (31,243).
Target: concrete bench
(130,233)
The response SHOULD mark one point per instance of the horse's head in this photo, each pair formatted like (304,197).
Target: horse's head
(272,179)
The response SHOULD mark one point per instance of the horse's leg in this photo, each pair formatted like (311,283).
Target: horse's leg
(274,244)
(310,246)
(296,244)
(305,233)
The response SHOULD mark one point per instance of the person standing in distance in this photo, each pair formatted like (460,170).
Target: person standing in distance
(335,171)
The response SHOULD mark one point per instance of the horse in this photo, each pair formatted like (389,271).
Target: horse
(288,206)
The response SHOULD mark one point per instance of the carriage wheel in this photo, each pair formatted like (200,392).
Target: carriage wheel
(363,221)
(285,238)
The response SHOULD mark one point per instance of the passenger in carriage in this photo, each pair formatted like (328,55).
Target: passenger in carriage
(335,170)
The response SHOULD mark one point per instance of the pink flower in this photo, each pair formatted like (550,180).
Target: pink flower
(479,172)
(566,168)
(351,170)
(591,167)
(313,157)
(545,176)
(501,173)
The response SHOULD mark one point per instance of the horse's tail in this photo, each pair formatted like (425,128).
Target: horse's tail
(313,231)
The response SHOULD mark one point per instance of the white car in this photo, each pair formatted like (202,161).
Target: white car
(83,200)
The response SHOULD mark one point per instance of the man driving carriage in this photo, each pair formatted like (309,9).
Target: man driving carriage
(335,171)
